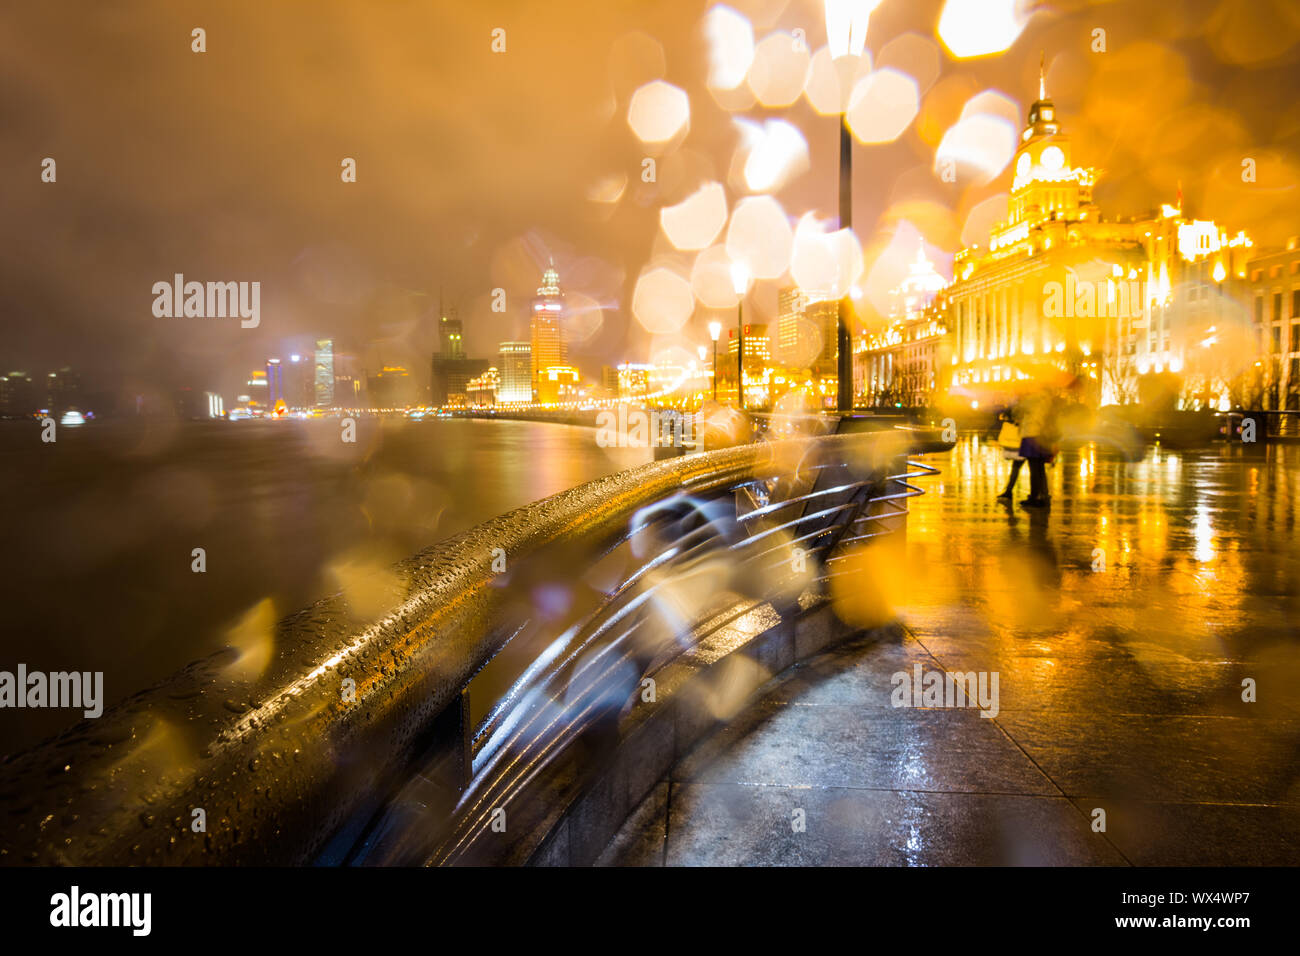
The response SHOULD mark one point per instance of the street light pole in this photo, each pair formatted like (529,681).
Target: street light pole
(846,36)
(740,353)
(715,329)
(844,397)
(740,282)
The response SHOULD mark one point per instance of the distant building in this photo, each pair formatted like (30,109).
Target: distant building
(63,390)
(633,381)
(483,389)
(324,379)
(198,405)
(17,395)
(349,381)
(899,364)
(257,390)
(451,336)
(549,348)
(450,379)
(1272,291)
(275,382)
(757,365)
(515,363)
(299,382)
(807,342)
(393,387)
(1118,303)
(556,384)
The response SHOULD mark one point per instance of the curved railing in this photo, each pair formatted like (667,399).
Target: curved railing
(315,747)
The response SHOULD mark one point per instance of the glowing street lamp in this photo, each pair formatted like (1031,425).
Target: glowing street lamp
(846,36)
(715,329)
(740,282)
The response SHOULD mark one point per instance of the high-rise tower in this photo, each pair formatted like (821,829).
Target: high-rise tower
(549,349)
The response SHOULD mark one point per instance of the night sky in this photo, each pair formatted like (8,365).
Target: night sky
(475,167)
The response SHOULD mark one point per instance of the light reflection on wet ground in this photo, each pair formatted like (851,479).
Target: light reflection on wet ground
(1122,625)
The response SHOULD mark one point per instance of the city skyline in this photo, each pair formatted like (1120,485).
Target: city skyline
(363,288)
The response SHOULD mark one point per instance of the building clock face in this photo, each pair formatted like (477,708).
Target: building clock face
(1022,166)
(1053,158)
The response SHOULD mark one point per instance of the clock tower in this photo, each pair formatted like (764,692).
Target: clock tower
(1046,185)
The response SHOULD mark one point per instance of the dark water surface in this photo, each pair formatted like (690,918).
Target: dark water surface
(99,528)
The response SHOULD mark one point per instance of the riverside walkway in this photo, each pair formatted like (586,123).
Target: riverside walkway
(1125,627)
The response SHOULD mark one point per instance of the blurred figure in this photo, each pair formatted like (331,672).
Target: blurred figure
(1038,436)
(1009,440)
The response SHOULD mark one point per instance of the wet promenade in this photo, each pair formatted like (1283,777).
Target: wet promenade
(1124,626)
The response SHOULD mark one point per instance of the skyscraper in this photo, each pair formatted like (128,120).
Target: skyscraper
(515,369)
(299,383)
(451,335)
(548,346)
(324,373)
(274,381)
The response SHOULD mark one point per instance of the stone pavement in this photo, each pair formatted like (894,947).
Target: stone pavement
(1121,625)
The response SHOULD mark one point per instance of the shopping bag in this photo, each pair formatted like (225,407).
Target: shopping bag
(1009,436)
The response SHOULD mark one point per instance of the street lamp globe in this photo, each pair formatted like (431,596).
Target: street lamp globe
(715,330)
(739,277)
(846,26)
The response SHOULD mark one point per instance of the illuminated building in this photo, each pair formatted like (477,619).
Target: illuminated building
(549,349)
(1112,301)
(899,363)
(257,399)
(324,373)
(807,344)
(1272,291)
(633,381)
(556,384)
(515,362)
(757,366)
(274,381)
(483,389)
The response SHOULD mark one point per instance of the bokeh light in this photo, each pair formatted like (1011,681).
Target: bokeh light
(774,154)
(658,112)
(982,141)
(779,70)
(882,106)
(826,90)
(971,28)
(731,47)
(829,263)
(662,301)
(760,236)
(711,278)
(697,220)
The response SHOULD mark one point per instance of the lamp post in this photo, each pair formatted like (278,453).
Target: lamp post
(715,329)
(740,282)
(846,36)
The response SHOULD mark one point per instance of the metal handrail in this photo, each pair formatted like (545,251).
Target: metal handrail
(276,764)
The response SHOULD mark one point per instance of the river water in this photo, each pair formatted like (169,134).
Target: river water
(100,528)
